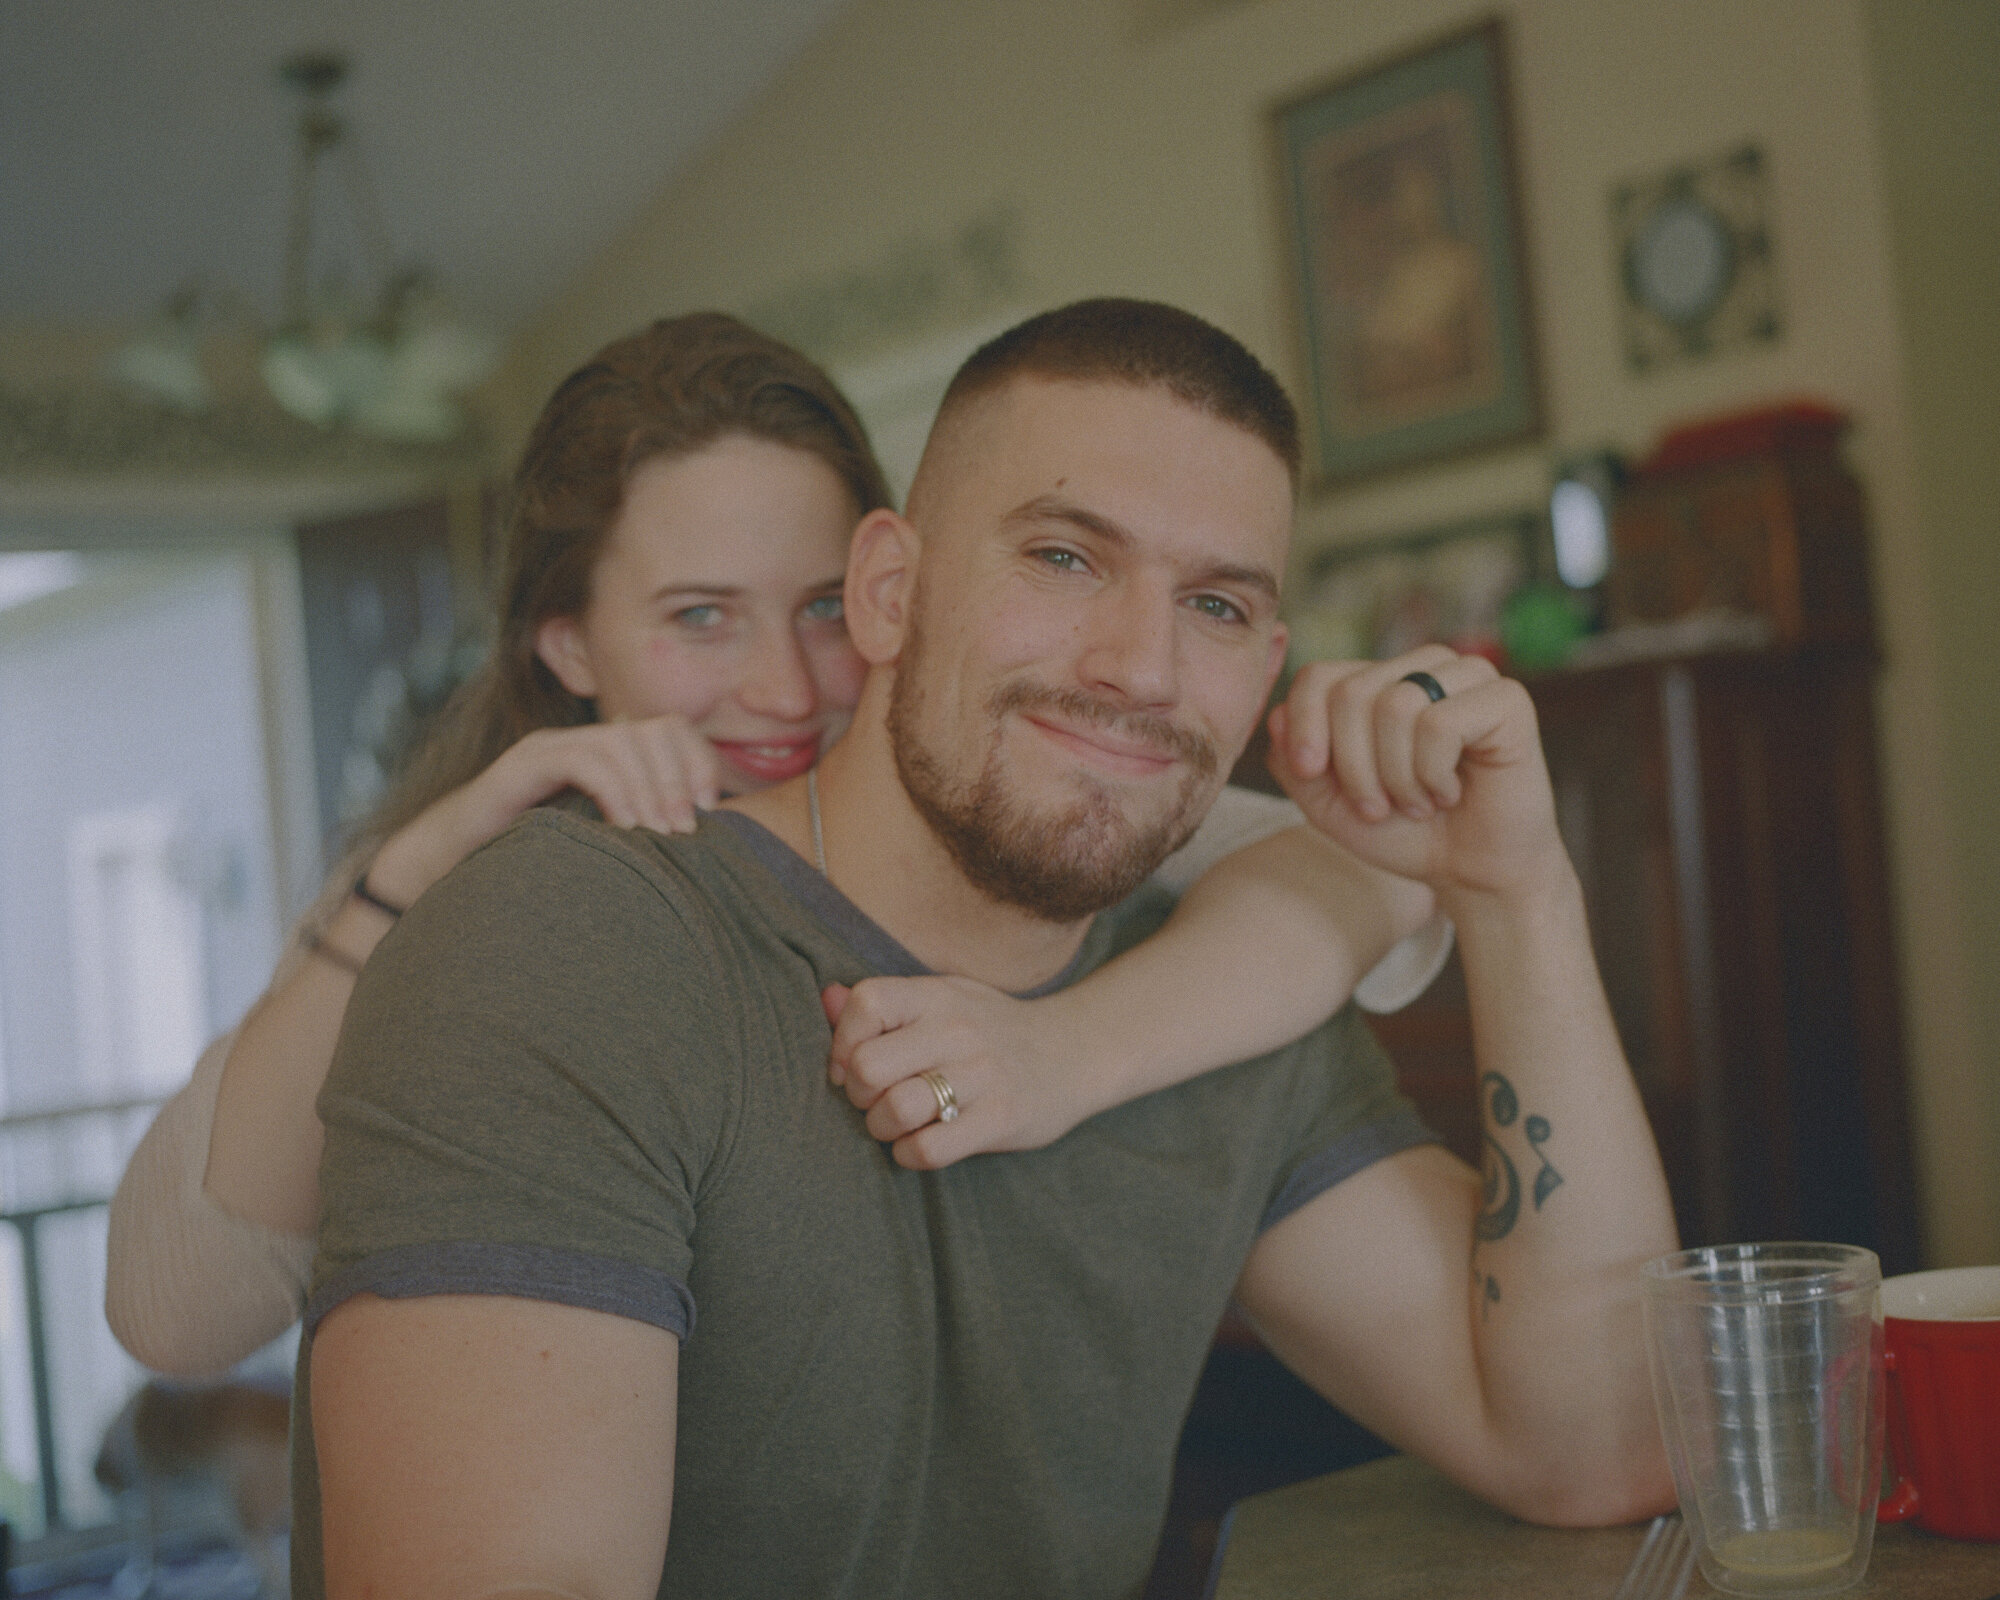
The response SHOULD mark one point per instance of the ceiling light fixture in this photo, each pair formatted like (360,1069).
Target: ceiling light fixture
(390,365)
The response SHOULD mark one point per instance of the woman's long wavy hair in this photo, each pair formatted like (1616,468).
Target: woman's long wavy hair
(667,391)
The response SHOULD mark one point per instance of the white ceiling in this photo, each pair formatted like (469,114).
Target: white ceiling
(144,143)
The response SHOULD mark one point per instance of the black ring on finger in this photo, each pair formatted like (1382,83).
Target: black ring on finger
(1425,682)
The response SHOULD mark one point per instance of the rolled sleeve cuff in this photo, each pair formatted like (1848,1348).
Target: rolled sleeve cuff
(527,1272)
(1363,1147)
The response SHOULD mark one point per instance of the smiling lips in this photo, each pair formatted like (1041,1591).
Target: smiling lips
(1118,742)
(770,760)
(1126,757)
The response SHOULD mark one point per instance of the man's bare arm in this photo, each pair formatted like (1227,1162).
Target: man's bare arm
(1492,1327)
(1487,1322)
(477,1446)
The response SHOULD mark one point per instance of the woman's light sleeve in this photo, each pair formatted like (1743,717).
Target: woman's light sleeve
(191,1289)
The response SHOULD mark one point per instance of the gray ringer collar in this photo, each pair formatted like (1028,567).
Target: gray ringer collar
(863,935)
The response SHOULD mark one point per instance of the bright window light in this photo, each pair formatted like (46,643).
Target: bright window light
(34,573)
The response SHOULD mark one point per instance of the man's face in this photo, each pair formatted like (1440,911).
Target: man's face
(1092,638)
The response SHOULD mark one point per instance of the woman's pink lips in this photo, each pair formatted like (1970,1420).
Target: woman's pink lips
(769,760)
(1133,757)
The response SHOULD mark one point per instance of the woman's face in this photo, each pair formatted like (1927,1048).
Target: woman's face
(717,596)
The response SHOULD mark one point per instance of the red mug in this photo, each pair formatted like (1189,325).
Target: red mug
(1943,1333)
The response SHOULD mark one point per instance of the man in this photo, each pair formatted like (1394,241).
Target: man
(581,1095)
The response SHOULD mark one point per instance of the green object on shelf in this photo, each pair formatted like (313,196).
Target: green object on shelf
(1539,626)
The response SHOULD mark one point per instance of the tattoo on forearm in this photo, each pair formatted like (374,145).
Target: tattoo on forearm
(1501,1198)
(1500,1206)
(1548,1179)
(1500,1179)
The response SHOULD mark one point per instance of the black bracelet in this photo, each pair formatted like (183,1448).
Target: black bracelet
(368,896)
(317,943)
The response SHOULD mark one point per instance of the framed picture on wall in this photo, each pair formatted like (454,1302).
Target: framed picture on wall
(1405,250)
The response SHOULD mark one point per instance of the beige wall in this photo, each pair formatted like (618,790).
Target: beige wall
(37,353)
(1134,159)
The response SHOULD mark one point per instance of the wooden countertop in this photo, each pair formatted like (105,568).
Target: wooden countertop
(1397,1530)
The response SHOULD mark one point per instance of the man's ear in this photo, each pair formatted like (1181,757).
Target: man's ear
(559,642)
(1281,637)
(881,584)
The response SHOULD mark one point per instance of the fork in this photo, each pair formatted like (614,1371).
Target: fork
(1664,1564)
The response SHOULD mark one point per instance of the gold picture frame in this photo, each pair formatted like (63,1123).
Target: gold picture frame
(1406,265)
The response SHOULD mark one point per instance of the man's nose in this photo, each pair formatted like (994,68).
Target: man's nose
(1130,647)
(777,680)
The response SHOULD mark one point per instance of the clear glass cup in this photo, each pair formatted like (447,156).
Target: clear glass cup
(1767,1370)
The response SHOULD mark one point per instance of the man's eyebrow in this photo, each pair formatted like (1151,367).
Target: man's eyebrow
(1262,579)
(1054,508)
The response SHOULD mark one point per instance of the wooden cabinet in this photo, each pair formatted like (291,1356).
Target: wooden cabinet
(1722,814)
(1754,514)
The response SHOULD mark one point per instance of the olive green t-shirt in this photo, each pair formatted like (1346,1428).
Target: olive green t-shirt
(589,1067)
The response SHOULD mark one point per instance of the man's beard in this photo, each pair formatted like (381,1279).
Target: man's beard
(1060,865)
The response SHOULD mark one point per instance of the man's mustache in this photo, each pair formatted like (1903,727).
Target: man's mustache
(1195,749)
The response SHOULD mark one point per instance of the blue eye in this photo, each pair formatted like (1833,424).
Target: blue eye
(1062,560)
(827,608)
(1214,605)
(698,617)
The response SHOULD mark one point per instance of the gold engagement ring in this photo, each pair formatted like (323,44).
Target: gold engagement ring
(947,1101)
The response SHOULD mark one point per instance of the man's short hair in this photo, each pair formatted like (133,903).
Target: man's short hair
(1144,343)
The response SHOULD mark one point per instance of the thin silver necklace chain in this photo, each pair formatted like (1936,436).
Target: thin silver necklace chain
(812,805)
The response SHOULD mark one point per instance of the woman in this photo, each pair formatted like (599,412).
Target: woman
(669,631)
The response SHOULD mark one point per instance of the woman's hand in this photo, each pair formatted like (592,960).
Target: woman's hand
(1012,1064)
(651,774)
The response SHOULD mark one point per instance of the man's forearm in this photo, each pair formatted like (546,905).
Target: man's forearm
(1573,1200)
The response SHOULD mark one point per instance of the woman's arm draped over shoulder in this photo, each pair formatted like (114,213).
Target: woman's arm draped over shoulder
(191,1289)
(1271,937)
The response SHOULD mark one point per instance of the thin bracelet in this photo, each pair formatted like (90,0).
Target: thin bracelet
(368,896)
(319,945)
